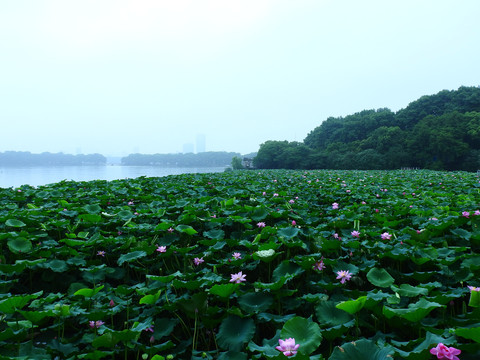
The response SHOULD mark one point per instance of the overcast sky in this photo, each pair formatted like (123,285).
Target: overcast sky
(123,76)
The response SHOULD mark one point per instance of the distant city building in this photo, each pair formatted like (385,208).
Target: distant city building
(201,143)
(188,148)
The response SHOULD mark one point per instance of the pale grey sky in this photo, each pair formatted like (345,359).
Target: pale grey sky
(123,76)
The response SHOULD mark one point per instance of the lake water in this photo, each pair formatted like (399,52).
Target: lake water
(42,175)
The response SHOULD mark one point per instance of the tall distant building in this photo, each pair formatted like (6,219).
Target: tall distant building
(187,148)
(201,143)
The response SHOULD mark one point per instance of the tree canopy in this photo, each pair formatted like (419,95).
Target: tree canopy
(25,158)
(209,158)
(440,131)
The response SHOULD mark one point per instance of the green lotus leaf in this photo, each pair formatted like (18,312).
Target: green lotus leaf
(329,315)
(286,268)
(217,234)
(125,215)
(110,339)
(134,255)
(165,279)
(88,293)
(264,255)
(259,214)
(409,290)
(90,218)
(19,325)
(268,346)
(474,299)
(380,277)
(361,350)
(14,223)
(56,265)
(288,232)
(73,242)
(472,333)
(234,332)
(164,327)
(462,233)
(352,306)
(93,208)
(271,286)
(414,312)
(223,290)
(19,245)
(5,335)
(187,229)
(232,355)
(255,302)
(305,332)
(65,349)
(150,299)
(13,303)
(195,305)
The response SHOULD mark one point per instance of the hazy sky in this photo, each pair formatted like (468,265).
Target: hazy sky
(123,76)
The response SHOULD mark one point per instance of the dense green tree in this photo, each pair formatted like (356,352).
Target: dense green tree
(237,163)
(25,158)
(440,131)
(271,155)
(208,158)
(463,100)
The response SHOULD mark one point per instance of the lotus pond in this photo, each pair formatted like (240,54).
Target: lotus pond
(351,264)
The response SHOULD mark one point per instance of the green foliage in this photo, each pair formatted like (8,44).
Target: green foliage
(115,275)
(208,158)
(237,163)
(25,158)
(439,132)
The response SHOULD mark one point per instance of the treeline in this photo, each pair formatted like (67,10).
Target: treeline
(203,159)
(440,132)
(25,158)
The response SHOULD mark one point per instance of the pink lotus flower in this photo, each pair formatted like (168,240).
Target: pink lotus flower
(95,324)
(355,233)
(261,224)
(111,303)
(294,223)
(344,275)
(101,253)
(291,201)
(161,249)
(287,346)
(275,194)
(170,230)
(445,352)
(238,278)
(473,288)
(319,265)
(386,236)
(465,214)
(476,213)
(197,261)
(335,206)
(237,255)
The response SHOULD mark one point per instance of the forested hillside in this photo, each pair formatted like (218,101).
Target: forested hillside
(440,132)
(25,158)
(209,158)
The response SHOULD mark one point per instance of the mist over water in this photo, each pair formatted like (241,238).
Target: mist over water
(43,175)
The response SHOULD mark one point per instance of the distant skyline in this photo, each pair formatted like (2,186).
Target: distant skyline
(121,76)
